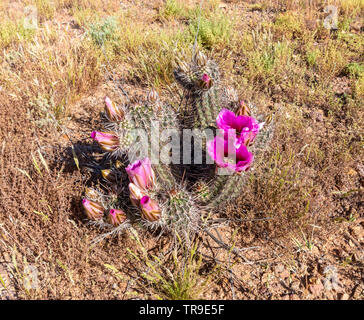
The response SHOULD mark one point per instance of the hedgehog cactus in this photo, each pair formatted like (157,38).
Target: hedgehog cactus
(170,197)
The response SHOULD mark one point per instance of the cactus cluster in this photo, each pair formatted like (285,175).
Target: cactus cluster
(169,197)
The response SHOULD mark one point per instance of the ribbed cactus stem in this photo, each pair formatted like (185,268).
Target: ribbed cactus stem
(144,117)
(228,189)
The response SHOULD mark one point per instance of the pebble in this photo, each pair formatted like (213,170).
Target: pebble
(344,296)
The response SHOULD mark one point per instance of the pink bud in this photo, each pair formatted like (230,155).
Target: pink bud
(108,141)
(150,209)
(205,78)
(206,81)
(116,217)
(113,112)
(93,210)
(141,174)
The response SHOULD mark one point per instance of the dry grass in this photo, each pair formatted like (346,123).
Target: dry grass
(277,54)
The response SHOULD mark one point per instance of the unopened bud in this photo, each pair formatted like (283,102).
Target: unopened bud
(109,175)
(116,217)
(243,110)
(93,210)
(150,209)
(153,96)
(205,82)
(108,141)
(113,112)
(118,164)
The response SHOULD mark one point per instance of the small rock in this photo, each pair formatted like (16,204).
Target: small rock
(285,274)
(351,172)
(295,285)
(317,288)
(315,250)
(344,296)
(279,268)
(309,130)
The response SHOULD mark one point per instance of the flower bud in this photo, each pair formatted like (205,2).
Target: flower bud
(205,82)
(93,210)
(116,217)
(108,141)
(243,110)
(113,112)
(141,174)
(108,175)
(135,194)
(118,164)
(150,209)
(153,96)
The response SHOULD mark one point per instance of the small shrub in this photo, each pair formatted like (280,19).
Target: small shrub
(14,32)
(354,69)
(213,30)
(103,31)
(288,25)
(311,57)
(173,9)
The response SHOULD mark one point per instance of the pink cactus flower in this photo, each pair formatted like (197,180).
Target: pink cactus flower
(141,174)
(93,210)
(116,217)
(108,141)
(150,209)
(246,127)
(113,112)
(219,152)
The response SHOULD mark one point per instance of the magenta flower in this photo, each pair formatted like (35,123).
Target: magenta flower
(206,81)
(113,112)
(108,141)
(219,151)
(246,127)
(205,78)
(150,209)
(141,174)
(116,217)
(136,194)
(93,210)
